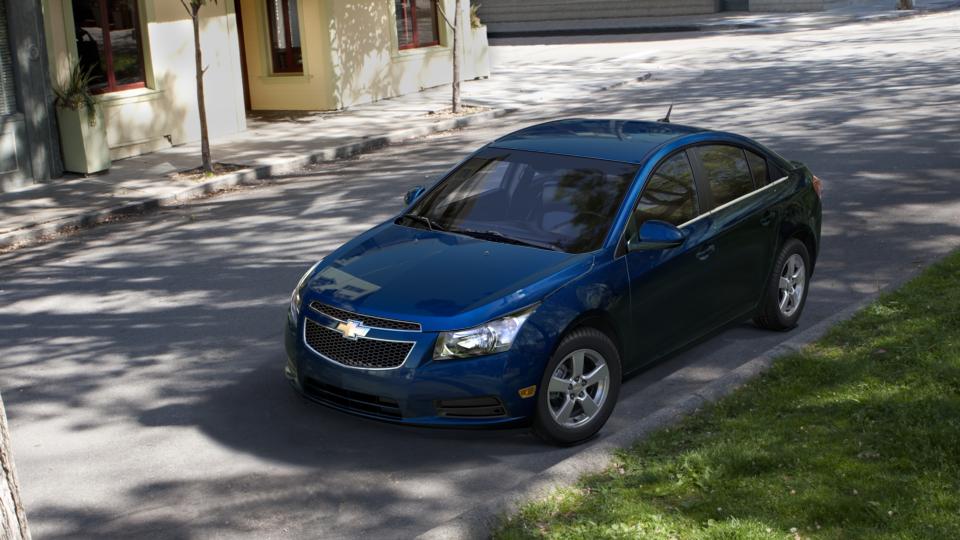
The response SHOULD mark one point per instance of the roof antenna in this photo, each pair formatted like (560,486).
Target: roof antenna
(666,119)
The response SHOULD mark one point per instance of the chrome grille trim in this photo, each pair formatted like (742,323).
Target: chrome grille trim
(381,323)
(339,341)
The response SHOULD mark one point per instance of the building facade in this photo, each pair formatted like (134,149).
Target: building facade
(28,142)
(496,12)
(259,54)
(331,54)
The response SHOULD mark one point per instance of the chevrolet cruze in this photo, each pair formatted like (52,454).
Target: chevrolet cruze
(545,267)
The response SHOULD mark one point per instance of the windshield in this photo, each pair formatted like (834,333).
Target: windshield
(542,200)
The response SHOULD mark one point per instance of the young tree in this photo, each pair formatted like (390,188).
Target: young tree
(193,8)
(13,519)
(455,30)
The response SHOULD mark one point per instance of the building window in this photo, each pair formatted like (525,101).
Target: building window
(8,102)
(285,52)
(417,23)
(109,43)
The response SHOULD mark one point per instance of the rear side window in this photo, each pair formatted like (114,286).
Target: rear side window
(726,172)
(758,167)
(669,194)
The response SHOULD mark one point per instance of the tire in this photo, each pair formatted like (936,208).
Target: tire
(781,307)
(584,417)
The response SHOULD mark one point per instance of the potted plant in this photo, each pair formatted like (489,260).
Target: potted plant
(83,134)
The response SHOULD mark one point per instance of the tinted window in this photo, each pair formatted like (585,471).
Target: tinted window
(727,172)
(669,194)
(776,172)
(758,167)
(560,202)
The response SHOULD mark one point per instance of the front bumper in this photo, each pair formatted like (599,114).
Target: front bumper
(474,392)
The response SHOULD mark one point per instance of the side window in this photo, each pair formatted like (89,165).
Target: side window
(669,195)
(726,172)
(109,43)
(284,20)
(758,167)
(776,172)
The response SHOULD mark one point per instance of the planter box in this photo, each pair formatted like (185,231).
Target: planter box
(83,143)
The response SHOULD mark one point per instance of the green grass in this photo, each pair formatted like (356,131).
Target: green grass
(858,436)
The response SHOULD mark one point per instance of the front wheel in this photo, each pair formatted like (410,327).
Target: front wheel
(579,388)
(786,291)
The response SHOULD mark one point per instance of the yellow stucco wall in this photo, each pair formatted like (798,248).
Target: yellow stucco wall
(351,56)
(368,65)
(165,112)
(309,91)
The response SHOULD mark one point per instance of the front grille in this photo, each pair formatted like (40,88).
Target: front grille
(373,322)
(361,353)
(482,407)
(348,399)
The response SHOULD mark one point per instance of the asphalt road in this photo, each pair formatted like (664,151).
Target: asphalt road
(141,362)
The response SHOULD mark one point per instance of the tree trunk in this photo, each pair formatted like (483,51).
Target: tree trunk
(13,519)
(201,104)
(456,57)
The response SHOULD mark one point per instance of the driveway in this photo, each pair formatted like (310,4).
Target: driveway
(141,362)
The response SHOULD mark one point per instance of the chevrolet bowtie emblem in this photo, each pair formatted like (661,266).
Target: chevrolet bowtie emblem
(353,329)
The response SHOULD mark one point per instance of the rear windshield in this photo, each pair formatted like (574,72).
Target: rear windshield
(544,200)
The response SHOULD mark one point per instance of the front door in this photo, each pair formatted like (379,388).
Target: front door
(667,286)
(238,11)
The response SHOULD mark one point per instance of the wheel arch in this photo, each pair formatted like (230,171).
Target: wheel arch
(805,235)
(598,320)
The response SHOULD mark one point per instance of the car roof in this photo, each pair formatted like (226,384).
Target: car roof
(628,141)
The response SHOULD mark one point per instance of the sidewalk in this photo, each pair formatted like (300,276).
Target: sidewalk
(525,80)
(273,143)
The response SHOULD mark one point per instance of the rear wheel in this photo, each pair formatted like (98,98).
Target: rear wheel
(786,291)
(579,388)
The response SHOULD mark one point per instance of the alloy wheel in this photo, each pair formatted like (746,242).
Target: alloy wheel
(578,388)
(793,280)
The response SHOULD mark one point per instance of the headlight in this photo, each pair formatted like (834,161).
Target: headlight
(297,295)
(492,337)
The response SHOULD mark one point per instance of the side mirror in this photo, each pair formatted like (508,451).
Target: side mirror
(655,234)
(413,194)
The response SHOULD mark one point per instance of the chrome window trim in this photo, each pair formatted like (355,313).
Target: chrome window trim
(332,361)
(731,203)
(360,315)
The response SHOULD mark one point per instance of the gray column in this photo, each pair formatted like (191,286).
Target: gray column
(34,93)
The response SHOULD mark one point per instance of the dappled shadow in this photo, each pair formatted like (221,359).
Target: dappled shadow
(141,361)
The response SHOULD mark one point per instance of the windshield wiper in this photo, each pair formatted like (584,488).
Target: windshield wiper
(425,220)
(497,236)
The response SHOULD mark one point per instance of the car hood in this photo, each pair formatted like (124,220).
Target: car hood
(442,280)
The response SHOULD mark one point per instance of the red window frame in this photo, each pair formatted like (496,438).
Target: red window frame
(411,26)
(112,85)
(288,53)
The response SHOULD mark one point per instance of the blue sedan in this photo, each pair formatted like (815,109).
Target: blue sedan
(546,266)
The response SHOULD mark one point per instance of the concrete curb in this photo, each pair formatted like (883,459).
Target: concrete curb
(35,233)
(481,520)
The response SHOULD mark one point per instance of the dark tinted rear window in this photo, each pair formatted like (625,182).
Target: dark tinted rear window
(758,167)
(726,171)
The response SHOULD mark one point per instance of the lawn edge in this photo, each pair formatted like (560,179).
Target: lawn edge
(483,519)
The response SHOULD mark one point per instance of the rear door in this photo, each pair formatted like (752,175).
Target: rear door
(743,222)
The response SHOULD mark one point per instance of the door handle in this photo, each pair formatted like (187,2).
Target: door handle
(767,217)
(706,252)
